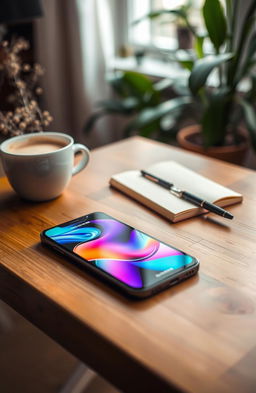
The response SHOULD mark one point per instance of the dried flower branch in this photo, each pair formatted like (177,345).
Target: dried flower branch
(26,115)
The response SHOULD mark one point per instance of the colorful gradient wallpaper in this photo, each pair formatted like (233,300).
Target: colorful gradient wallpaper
(125,253)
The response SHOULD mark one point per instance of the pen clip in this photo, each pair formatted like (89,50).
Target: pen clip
(176,191)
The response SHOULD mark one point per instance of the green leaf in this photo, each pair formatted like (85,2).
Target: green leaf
(249,58)
(198,45)
(138,82)
(187,64)
(215,22)
(184,58)
(151,115)
(214,121)
(252,46)
(202,69)
(124,106)
(141,87)
(155,14)
(133,84)
(115,79)
(163,84)
(250,120)
(234,69)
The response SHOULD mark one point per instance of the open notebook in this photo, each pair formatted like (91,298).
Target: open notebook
(162,201)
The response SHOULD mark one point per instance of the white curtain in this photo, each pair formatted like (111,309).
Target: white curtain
(74,42)
(97,44)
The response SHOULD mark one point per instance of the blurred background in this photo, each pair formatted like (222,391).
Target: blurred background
(95,53)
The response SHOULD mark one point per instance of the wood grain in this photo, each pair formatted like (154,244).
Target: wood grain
(196,337)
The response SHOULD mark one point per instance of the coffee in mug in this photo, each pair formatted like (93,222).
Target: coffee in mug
(35,146)
(40,165)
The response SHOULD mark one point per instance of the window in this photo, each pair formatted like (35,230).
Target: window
(158,36)
(161,32)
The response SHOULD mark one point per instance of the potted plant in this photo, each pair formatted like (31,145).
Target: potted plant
(219,86)
(226,104)
(143,104)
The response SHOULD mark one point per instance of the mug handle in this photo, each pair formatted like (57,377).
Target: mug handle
(79,148)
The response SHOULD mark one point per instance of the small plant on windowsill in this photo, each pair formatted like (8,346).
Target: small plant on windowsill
(183,32)
(220,108)
(179,17)
(20,111)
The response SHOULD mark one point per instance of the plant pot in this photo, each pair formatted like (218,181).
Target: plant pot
(184,37)
(235,154)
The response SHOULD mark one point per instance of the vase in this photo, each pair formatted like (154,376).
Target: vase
(234,153)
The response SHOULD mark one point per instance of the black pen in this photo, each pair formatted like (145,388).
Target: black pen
(187,196)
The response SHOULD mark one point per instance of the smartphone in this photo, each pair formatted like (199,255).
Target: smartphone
(128,258)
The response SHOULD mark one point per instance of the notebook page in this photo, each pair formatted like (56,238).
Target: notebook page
(188,180)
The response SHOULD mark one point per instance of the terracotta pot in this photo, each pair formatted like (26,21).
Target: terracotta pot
(232,153)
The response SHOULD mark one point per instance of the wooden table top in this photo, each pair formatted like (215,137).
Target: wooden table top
(199,336)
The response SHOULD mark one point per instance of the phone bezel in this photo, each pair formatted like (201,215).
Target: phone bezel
(167,281)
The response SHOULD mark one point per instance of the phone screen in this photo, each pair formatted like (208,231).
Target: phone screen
(125,253)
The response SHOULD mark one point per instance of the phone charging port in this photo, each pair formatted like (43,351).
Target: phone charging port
(174,282)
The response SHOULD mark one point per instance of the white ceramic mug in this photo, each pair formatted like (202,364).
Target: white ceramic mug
(41,175)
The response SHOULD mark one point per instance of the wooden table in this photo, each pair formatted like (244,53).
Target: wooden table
(199,336)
